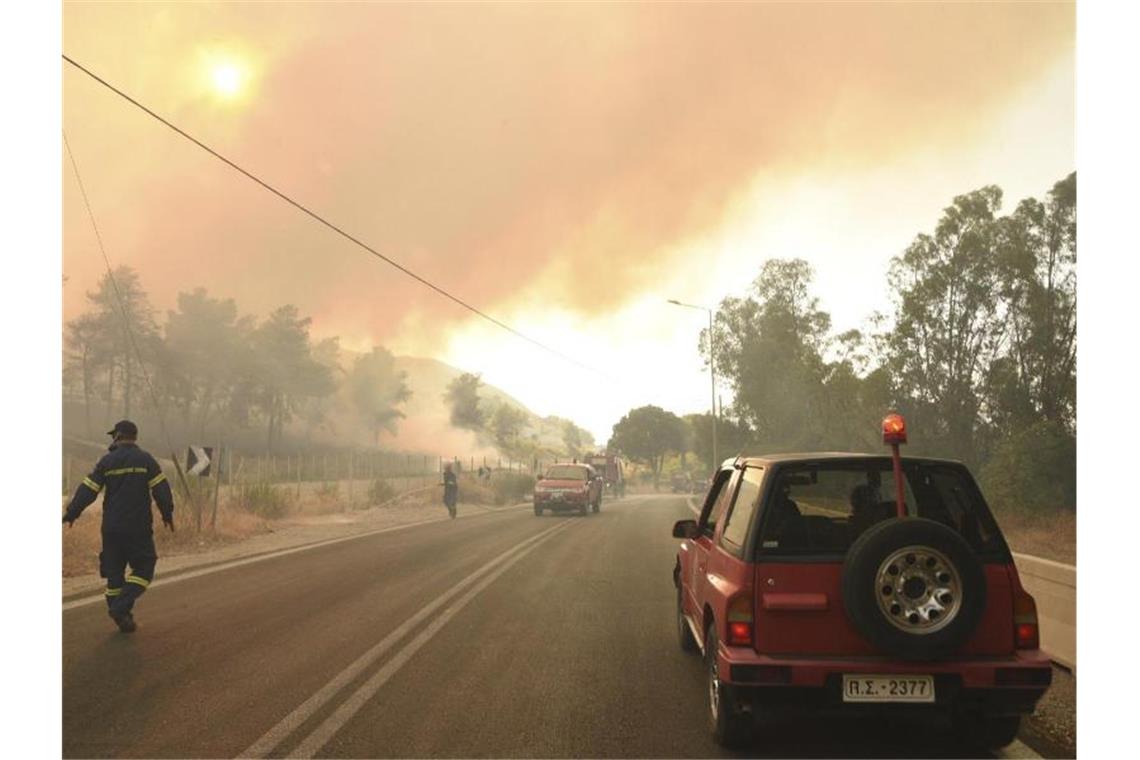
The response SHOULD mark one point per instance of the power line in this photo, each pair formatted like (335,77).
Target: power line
(301,207)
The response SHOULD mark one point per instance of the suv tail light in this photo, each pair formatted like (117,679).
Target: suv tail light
(740,620)
(1025,632)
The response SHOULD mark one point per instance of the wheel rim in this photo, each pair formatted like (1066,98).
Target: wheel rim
(919,590)
(714,689)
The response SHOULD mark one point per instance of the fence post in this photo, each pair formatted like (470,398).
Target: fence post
(300,461)
(217,489)
(350,473)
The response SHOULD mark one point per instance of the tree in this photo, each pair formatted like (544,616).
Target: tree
(462,397)
(575,440)
(81,340)
(948,329)
(377,388)
(506,424)
(286,372)
(207,344)
(1037,255)
(124,328)
(733,437)
(647,434)
(769,348)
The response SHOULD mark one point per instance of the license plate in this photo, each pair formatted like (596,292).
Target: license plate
(873,688)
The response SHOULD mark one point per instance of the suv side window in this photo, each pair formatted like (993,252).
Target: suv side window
(714,504)
(743,506)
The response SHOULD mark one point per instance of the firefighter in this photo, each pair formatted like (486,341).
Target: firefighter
(129,475)
(450,489)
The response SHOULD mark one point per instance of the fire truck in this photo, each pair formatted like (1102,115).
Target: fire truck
(612,469)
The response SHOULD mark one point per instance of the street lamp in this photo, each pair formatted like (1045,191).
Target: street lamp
(712,371)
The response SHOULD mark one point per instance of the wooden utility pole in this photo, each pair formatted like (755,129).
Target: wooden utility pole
(217,487)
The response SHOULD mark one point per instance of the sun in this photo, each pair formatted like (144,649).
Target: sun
(227,78)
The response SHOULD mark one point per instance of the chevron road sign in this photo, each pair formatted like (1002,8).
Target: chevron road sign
(198,460)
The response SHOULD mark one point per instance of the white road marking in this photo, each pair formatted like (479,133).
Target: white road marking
(278,733)
(98,596)
(320,736)
(1018,750)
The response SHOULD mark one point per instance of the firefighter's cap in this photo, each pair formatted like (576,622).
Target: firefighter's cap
(125,429)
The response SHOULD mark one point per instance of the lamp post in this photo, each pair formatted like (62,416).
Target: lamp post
(712,371)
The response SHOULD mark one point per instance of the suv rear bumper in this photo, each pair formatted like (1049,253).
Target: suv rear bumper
(991,685)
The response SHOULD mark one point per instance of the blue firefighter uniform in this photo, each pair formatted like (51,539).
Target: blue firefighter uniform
(127,476)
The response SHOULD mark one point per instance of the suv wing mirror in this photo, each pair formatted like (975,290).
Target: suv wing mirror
(685,529)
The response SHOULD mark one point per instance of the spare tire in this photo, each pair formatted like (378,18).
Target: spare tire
(913,588)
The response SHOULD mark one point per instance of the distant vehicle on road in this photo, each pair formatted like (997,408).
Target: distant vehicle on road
(681,482)
(856,583)
(564,487)
(612,469)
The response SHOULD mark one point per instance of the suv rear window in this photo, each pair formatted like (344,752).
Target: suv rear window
(820,508)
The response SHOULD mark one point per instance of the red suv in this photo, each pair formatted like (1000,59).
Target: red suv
(568,487)
(856,583)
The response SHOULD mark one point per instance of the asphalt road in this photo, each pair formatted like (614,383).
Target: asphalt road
(502,635)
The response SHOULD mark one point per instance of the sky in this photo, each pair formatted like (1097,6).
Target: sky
(565,168)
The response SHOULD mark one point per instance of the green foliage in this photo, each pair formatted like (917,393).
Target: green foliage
(1033,469)
(733,437)
(980,355)
(262,499)
(462,398)
(646,434)
(380,491)
(510,487)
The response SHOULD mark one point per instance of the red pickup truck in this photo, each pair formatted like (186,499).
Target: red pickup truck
(856,583)
(568,487)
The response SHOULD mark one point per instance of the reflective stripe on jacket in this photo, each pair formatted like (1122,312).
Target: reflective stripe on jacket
(126,476)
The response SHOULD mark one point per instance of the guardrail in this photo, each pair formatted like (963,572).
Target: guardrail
(1054,587)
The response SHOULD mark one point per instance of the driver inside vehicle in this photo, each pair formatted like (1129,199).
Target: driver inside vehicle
(867,508)
(786,524)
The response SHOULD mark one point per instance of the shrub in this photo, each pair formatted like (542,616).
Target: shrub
(1034,469)
(510,487)
(380,491)
(262,499)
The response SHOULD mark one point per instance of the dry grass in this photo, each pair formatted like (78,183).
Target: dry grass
(1052,535)
(82,541)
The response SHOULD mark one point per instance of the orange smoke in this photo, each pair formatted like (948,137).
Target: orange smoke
(499,148)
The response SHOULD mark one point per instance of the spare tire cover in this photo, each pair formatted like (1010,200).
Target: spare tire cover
(913,588)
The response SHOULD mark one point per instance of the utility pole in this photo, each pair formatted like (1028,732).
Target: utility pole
(712,374)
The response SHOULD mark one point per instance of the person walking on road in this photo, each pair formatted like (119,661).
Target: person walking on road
(129,476)
(450,489)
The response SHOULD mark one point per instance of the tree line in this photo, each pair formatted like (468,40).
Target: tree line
(509,428)
(977,351)
(210,368)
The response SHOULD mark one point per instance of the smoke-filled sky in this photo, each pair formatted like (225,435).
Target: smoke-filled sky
(565,167)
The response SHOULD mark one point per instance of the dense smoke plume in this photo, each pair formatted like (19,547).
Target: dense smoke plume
(498,150)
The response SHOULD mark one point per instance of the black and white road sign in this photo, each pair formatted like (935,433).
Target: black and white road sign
(198,460)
